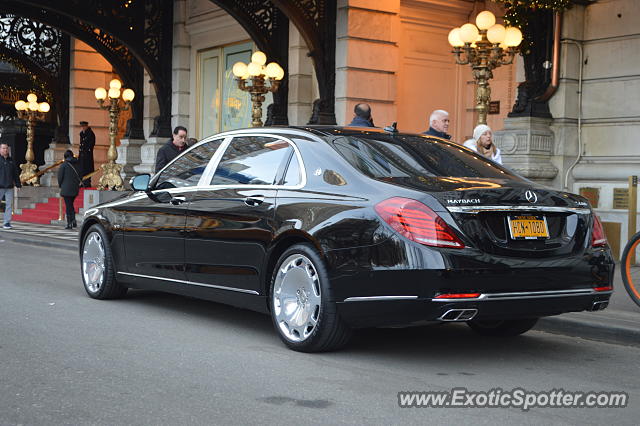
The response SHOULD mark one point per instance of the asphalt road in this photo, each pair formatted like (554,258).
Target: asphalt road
(160,359)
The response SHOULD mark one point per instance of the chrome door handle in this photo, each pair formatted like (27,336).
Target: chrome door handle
(178,200)
(254,200)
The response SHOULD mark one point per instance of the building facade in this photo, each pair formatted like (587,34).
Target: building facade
(568,120)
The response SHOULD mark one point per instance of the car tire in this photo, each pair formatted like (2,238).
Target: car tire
(505,328)
(300,302)
(97,267)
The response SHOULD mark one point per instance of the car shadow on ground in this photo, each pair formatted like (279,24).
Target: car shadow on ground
(453,341)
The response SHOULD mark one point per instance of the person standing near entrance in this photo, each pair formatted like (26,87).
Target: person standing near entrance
(362,116)
(482,143)
(69,181)
(438,124)
(176,145)
(9,178)
(85,156)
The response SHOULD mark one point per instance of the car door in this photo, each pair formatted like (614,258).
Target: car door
(230,222)
(154,225)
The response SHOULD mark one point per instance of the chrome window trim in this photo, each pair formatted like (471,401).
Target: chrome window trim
(378,298)
(218,287)
(206,140)
(213,162)
(209,177)
(478,209)
(525,295)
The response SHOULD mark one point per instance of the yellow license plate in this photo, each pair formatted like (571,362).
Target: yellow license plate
(528,227)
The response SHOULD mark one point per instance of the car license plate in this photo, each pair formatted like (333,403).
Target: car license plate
(528,227)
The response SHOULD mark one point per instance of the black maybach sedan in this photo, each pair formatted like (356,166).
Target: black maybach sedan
(328,229)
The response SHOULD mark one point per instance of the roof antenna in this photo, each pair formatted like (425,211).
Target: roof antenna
(393,128)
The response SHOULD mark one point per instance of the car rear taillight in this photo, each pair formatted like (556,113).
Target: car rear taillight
(458,296)
(417,222)
(598,238)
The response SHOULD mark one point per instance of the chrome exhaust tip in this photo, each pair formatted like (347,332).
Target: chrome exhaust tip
(458,315)
(598,306)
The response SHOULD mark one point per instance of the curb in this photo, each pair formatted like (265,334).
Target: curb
(602,332)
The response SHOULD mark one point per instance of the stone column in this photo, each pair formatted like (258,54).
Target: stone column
(301,79)
(181,67)
(52,155)
(129,156)
(148,152)
(367,52)
(527,146)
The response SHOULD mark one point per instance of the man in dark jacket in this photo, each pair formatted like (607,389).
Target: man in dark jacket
(85,157)
(438,124)
(9,177)
(172,148)
(363,116)
(69,183)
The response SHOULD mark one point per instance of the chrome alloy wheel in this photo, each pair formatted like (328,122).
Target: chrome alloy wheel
(93,262)
(297,297)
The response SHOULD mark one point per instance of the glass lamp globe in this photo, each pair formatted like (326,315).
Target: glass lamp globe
(128,95)
(485,20)
(454,38)
(44,107)
(280,74)
(115,84)
(21,105)
(259,58)
(512,37)
(239,69)
(101,93)
(114,93)
(271,70)
(468,33)
(496,34)
(254,69)
(31,97)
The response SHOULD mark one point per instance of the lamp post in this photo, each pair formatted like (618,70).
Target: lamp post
(258,79)
(30,111)
(118,101)
(485,46)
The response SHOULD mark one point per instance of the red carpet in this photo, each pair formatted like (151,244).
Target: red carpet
(46,212)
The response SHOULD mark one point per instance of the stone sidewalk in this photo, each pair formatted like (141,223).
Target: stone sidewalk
(619,323)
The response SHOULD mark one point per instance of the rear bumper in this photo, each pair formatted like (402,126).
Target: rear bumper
(360,312)
(397,282)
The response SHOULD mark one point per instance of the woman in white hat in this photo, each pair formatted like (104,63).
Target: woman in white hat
(482,143)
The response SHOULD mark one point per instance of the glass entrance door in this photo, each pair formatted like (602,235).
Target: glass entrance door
(221,104)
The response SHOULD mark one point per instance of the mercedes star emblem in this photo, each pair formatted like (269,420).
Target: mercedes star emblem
(531,196)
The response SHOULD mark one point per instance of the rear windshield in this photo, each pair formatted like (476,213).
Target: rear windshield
(386,156)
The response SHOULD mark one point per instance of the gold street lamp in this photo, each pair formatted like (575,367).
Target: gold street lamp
(31,111)
(111,178)
(258,79)
(485,46)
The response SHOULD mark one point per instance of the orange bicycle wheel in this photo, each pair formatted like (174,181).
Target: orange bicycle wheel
(631,273)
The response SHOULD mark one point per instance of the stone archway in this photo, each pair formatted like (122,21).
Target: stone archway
(130,39)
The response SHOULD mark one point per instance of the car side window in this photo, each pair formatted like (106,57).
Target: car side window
(251,160)
(187,169)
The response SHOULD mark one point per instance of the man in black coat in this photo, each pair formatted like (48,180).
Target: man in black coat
(85,157)
(69,183)
(172,148)
(9,177)
(363,116)
(438,124)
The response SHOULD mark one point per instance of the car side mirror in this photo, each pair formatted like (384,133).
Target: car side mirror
(141,182)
